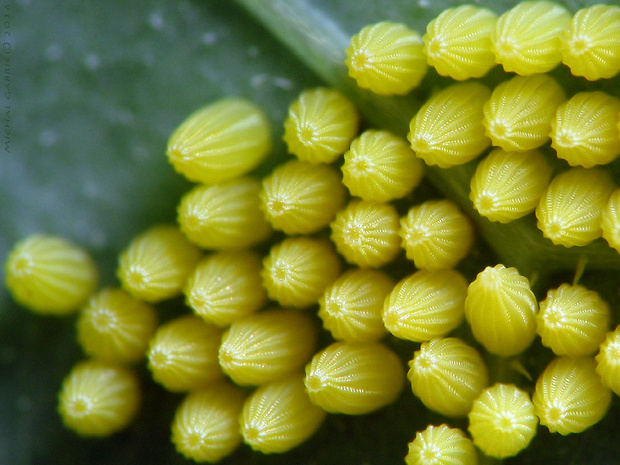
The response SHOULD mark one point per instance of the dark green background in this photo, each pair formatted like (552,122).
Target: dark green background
(95,90)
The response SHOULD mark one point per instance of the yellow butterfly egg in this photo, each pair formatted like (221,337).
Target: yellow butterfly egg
(115,326)
(436,235)
(220,141)
(425,305)
(50,275)
(267,346)
(447,375)
(182,354)
(156,264)
(569,211)
(508,185)
(569,395)
(458,42)
(518,115)
(366,233)
(320,125)
(206,424)
(573,320)
(610,221)
(501,309)
(448,130)
(298,270)
(224,216)
(98,398)
(441,445)
(301,198)
(386,58)
(526,39)
(590,46)
(502,421)
(351,308)
(585,129)
(279,416)
(608,361)
(381,167)
(354,379)
(226,286)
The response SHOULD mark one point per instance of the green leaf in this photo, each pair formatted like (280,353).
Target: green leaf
(91,92)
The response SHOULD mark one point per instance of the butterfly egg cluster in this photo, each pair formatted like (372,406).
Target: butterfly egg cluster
(250,366)
(208,260)
(468,41)
(458,123)
(229,336)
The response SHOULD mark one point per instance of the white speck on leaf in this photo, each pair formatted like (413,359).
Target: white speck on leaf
(54,52)
(148,59)
(91,189)
(156,20)
(209,38)
(253,51)
(282,83)
(92,61)
(47,138)
(258,80)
